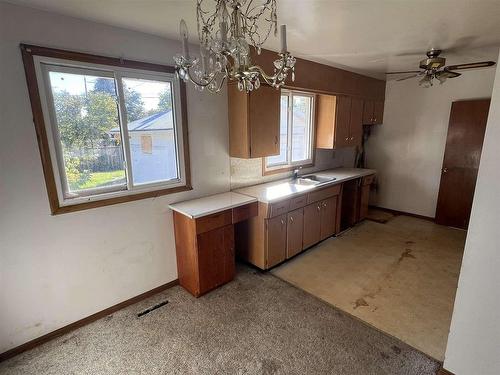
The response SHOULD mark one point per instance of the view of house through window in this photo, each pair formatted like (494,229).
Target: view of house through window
(95,153)
(296,130)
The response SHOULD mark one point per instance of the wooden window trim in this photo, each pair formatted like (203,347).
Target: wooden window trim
(266,171)
(28,52)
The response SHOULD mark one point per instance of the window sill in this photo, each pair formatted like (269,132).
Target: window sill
(283,169)
(58,209)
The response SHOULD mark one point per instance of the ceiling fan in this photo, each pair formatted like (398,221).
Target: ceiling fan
(433,67)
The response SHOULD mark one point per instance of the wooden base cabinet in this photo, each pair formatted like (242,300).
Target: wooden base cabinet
(205,248)
(283,229)
(294,232)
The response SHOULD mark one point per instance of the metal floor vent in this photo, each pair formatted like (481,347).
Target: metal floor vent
(149,309)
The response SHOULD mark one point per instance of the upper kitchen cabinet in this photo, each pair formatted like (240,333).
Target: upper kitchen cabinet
(373,112)
(338,121)
(254,122)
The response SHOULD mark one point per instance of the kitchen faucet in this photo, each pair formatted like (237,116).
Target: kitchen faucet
(296,173)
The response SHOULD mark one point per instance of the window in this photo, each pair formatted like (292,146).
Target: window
(110,128)
(296,131)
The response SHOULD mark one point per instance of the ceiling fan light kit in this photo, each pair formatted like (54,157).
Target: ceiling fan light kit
(226,35)
(433,68)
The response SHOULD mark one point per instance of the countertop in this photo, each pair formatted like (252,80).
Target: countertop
(211,204)
(283,189)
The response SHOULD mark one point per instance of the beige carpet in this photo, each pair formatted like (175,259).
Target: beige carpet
(400,277)
(255,325)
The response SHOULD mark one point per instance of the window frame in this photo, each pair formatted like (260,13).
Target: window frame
(289,164)
(36,76)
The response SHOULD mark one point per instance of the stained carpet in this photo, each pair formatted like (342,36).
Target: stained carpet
(257,324)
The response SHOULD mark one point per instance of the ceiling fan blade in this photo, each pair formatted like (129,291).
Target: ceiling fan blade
(406,72)
(481,64)
(448,74)
(405,78)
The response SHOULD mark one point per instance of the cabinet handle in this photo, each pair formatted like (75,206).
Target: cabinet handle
(282,222)
(319,207)
(352,138)
(347,138)
(275,139)
(325,204)
(291,219)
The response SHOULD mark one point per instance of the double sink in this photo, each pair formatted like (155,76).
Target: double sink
(312,179)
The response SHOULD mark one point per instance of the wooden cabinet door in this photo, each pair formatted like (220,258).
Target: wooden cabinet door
(215,258)
(378,112)
(264,118)
(328,217)
(294,232)
(276,240)
(312,227)
(342,121)
(368,109)
(363,204)
(325,121)
(356,122)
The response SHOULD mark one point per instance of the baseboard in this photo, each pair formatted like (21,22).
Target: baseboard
(80,323)
(396,212)
(442,371)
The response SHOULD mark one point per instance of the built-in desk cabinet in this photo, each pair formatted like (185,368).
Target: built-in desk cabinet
(205,248)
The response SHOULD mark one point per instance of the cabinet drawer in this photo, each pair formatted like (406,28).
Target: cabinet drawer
(323,193)
(368,180)
(278,208)
(217,220)
(298,202)
(245,212)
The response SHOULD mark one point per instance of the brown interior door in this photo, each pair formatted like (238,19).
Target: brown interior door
(276,240)
(464,143)
(294,232)
(312,220)
(328,217)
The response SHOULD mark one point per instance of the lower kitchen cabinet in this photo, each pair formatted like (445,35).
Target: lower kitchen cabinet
(312,224)
(364,196)
(205,247)
(294,232)
(216,257)
(285,228)
(328,217)
(276,240)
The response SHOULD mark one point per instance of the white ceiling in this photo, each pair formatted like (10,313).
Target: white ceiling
(367,36)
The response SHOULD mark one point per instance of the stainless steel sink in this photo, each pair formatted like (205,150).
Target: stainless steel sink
(313,179)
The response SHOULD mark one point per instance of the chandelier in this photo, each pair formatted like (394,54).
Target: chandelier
(226,35)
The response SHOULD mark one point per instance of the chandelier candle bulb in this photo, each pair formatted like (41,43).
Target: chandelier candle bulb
(223,31)
(283,38)
(184,36)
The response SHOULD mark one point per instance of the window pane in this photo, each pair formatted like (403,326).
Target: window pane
(87,119)
(150,124)
(281,158)
(301,132)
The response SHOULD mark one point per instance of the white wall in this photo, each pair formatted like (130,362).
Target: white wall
(55,270)
(408,149)
(474,340)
